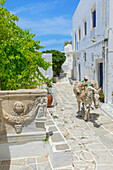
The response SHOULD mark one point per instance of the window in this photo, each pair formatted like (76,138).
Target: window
(75,42)
(75,63)
(85,28)
(94,18)
(85,56)
(79,33)
(92,56)
(77,46)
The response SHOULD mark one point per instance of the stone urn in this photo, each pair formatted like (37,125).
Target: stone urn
(50,99)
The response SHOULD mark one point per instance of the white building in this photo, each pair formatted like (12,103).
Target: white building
(93,43)
(67,66)
(49,72)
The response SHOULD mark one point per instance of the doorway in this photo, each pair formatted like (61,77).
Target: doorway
(101,75)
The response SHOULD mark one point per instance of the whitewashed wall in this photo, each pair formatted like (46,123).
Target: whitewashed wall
(67,66)
(110,52)
(104,22)
(49,72)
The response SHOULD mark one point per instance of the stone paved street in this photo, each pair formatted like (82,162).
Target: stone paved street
(31,163)
(92,141)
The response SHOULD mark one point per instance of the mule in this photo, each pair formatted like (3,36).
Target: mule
(87,97)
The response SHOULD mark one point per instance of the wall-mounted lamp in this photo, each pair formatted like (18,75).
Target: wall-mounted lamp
(93,40)
(97,35)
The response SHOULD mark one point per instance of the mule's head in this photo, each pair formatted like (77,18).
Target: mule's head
(96,98)
(78,87)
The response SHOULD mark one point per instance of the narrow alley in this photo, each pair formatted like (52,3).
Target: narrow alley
(92,141)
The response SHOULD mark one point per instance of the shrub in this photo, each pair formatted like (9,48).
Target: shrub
(101,94)
(19,59)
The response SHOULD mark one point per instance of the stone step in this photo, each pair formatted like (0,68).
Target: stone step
(62,75)
(111,105)
(60,152)
(107,109)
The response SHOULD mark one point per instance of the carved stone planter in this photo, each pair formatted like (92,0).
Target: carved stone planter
(23,115)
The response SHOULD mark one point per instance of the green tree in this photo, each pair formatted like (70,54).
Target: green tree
(67,42)
(19,59)
(58,58)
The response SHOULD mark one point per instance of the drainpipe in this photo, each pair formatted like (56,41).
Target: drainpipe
(106,51)
(106,71)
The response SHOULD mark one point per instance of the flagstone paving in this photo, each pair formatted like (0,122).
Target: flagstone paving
(31,163)
(92,141)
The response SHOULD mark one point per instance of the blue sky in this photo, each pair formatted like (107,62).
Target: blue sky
(50,20)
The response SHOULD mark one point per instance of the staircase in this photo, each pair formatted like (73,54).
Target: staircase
(66,71)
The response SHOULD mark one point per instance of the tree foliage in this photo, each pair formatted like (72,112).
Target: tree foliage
(19,59)
(67,42)
(58,58)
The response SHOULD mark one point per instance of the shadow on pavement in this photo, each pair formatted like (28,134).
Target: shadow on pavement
(4,146)
(92,118)
(70,81)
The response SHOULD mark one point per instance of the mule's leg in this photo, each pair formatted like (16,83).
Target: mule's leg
(92,106)
(89,110)
(82,106)
(79,109)
(86,113)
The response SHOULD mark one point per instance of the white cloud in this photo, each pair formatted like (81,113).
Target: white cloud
(53,41)
(40,25)
(59,48)
(48,26)
(37,7)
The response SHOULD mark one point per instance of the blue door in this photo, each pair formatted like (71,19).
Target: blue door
(101,75)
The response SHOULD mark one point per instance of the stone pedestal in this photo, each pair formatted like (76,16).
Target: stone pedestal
(22,117)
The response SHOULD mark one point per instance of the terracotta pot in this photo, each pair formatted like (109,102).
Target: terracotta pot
(50,99)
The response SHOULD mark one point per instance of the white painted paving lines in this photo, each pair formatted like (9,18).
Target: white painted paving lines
(91,141)
(29,163)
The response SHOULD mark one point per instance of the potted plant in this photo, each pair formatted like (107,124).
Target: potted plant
(101,95)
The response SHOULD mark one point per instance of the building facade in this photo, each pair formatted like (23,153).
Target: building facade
(67,66)
(93,43)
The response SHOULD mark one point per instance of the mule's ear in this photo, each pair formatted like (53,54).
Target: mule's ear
(98,90)
(92,88)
